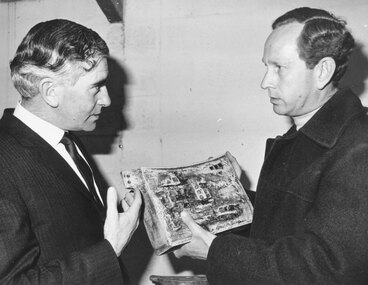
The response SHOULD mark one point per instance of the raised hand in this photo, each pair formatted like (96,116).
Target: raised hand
(119,227)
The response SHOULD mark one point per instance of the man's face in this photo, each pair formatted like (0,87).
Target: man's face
(289,82)
(80,104)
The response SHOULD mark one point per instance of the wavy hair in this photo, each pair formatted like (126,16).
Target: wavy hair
(58,48)
(323,35)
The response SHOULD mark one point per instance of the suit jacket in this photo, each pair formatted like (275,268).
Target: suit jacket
(51,230)
(310,221)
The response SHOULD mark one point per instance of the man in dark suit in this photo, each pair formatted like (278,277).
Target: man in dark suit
(58,223)
(311,207)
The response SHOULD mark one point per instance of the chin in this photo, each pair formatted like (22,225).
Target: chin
(278,111)
(89,128)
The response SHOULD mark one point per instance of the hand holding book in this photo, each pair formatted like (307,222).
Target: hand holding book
(209,191)
(199,244)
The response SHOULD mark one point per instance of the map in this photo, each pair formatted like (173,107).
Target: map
(210,191)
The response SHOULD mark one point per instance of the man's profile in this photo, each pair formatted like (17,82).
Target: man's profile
(311,203)
(59,222)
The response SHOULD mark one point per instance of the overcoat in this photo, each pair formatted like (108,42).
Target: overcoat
(51,230)
(310,221)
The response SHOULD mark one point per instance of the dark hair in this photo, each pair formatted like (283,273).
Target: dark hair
(55,48)
(323,35)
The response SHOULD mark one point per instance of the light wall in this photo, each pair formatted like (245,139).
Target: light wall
(186,85)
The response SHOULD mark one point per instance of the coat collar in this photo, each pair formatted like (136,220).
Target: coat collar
(18,129)
(326,126)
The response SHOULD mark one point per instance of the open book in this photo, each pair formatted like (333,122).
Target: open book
(210,191)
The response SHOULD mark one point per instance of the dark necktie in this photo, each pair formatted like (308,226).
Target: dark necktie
(81,164)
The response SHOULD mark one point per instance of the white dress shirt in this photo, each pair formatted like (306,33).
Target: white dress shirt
(300,121)
(52,135)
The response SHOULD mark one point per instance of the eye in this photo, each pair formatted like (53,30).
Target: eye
(96,88)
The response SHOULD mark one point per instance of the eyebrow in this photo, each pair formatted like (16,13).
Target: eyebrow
(101,82)
(275,62)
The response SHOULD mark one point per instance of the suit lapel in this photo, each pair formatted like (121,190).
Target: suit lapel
(43,152)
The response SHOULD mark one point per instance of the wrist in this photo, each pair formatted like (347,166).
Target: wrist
(209,239)
(114,246)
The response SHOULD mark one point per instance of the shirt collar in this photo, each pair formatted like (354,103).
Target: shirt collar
(300,121)
(50,133)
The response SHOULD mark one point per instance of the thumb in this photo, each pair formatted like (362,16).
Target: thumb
(111,200)
(188,220)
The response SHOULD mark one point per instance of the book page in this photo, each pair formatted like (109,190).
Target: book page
(210,191)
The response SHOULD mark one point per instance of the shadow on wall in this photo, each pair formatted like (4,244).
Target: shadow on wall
(196,266)
(357,71)
(354,78)
(112,120)
(137,255)
(139,251)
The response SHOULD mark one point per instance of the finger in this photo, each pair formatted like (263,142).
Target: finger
(178,253)
(111,201)
(124,205)
(128,198)
(188,220)
(137,202)
(134,205)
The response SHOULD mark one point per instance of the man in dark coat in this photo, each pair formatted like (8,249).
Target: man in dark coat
(311,208)
(58,223)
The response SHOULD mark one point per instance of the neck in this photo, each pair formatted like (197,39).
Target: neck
(37,107)
(300,121)
(327,93)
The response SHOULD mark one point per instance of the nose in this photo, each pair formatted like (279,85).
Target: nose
(267,81)
(104,99)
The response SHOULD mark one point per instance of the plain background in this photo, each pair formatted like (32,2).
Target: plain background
(185,86)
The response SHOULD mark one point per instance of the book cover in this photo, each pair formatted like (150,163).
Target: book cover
(210,191)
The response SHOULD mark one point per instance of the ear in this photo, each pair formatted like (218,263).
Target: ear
(324,71)
(48,92)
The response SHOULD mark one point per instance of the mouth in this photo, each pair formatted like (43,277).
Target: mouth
(95,116)
(274,100)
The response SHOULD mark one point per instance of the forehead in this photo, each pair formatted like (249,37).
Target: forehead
(282,43)
(98,73)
